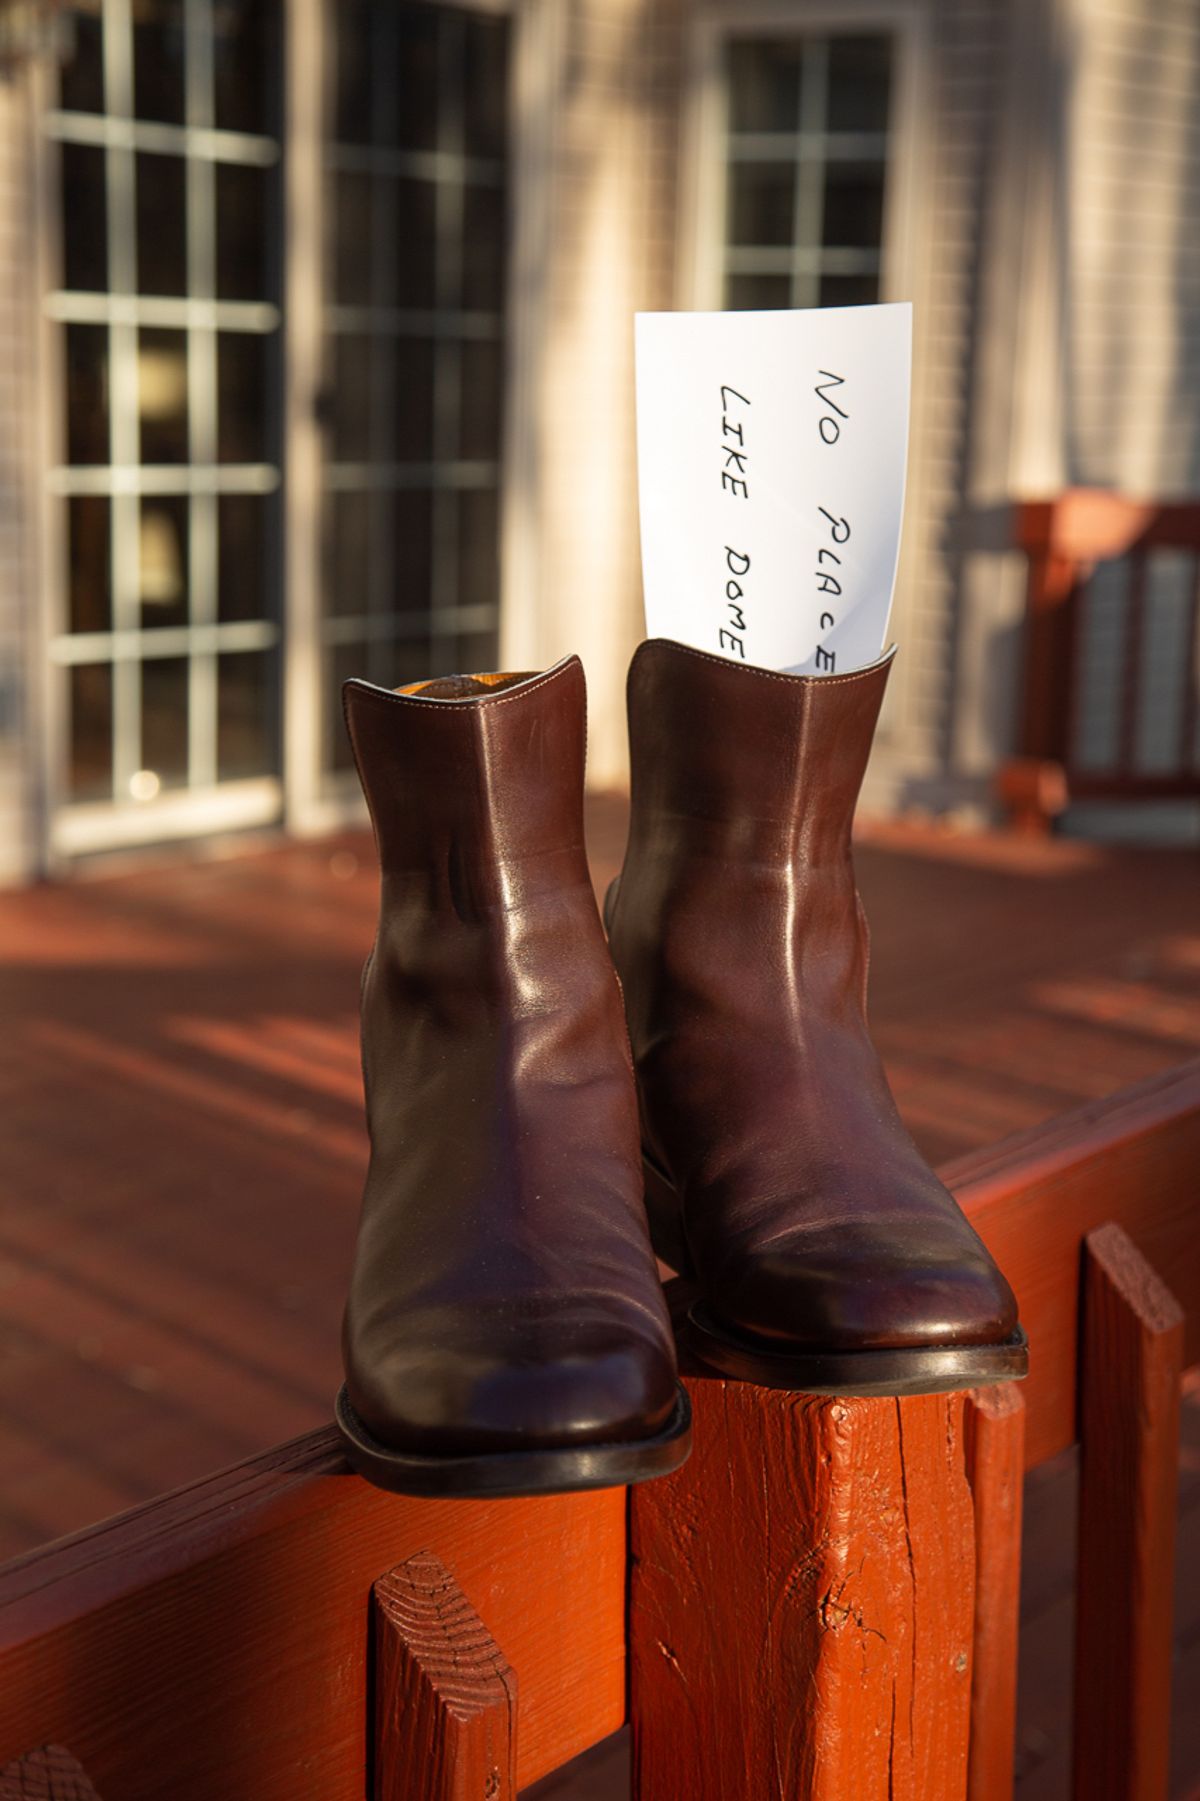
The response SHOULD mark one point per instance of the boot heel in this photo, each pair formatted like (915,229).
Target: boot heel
(666,1222)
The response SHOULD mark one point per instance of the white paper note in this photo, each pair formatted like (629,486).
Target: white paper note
(771,461)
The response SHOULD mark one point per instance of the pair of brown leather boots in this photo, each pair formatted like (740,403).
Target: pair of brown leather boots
(506,1330)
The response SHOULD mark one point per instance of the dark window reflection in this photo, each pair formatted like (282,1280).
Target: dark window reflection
(84,218)
(411,409)
(477,653)
(247,203)
(162,368)
(859,83)
(478,548)
(412,122)
(87,393)
(245,535)
(89,573)
(81,74)
(245,62)
(409,206)
(90,705)
(347,552)
(412,537)
(482,395)
(158,54)
(161,183)
(762,203)
(350,391)
(351,238)
(483,248)
(849,290)
(245,715)
(165,719)
(485,83)
(764,84)
(853,205)
(244,428)
(163,560)
(757,293)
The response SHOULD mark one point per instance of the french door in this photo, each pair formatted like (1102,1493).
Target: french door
(170,585)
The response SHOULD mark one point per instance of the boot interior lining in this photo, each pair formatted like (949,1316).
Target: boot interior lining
(462,687)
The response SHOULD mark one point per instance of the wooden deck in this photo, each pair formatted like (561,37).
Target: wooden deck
(183,1143)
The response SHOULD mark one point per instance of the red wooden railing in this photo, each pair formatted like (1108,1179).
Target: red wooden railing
(1065,539)
(821,1605)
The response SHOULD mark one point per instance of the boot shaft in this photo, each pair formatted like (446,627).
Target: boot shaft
(475,787)
(746,764)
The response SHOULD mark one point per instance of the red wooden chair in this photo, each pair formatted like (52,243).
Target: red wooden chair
(821,1605)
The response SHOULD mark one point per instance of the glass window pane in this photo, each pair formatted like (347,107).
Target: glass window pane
(411,119)
(246,36)
(84,218)
(483,248)
(408,207)
(757,293)
(482,395)
(412,408)
(411,660)
(245,715)
(245,556)
(853,206)
(849,290)
(163,561)
(246,212)
(165,719)
(762,203)
(351,29)
(81,78)
(90,708)
(163,395)
(350,390)
(347,553)
(478,547)
(158,51)
(859,83)
(244,368)
(87,393)
(350,237)
(412,526)
(161,224)
(477,653)
(764,84)
(89,572)
(485,82)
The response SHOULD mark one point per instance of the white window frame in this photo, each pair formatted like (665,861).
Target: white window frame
(700,267)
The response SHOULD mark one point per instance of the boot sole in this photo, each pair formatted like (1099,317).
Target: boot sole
(493,1475)
(909,1370)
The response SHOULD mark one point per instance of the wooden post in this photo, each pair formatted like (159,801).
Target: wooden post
(49,1774)
(445,1697)
(801,1601)
(995,1440)
(1132,1361)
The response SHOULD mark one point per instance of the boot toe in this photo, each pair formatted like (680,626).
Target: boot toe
(434,1398)
(847,1290)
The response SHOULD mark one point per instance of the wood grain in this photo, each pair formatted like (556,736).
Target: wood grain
(995,1445)
(800,1603)
(213,1645)
(1131,1159)
(49,1774)
(1132,1363)
(445,1695)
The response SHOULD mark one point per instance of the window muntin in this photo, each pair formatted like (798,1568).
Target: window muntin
(806,160)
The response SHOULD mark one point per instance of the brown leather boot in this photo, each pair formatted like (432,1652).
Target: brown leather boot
(779,1176)
(506,1331)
